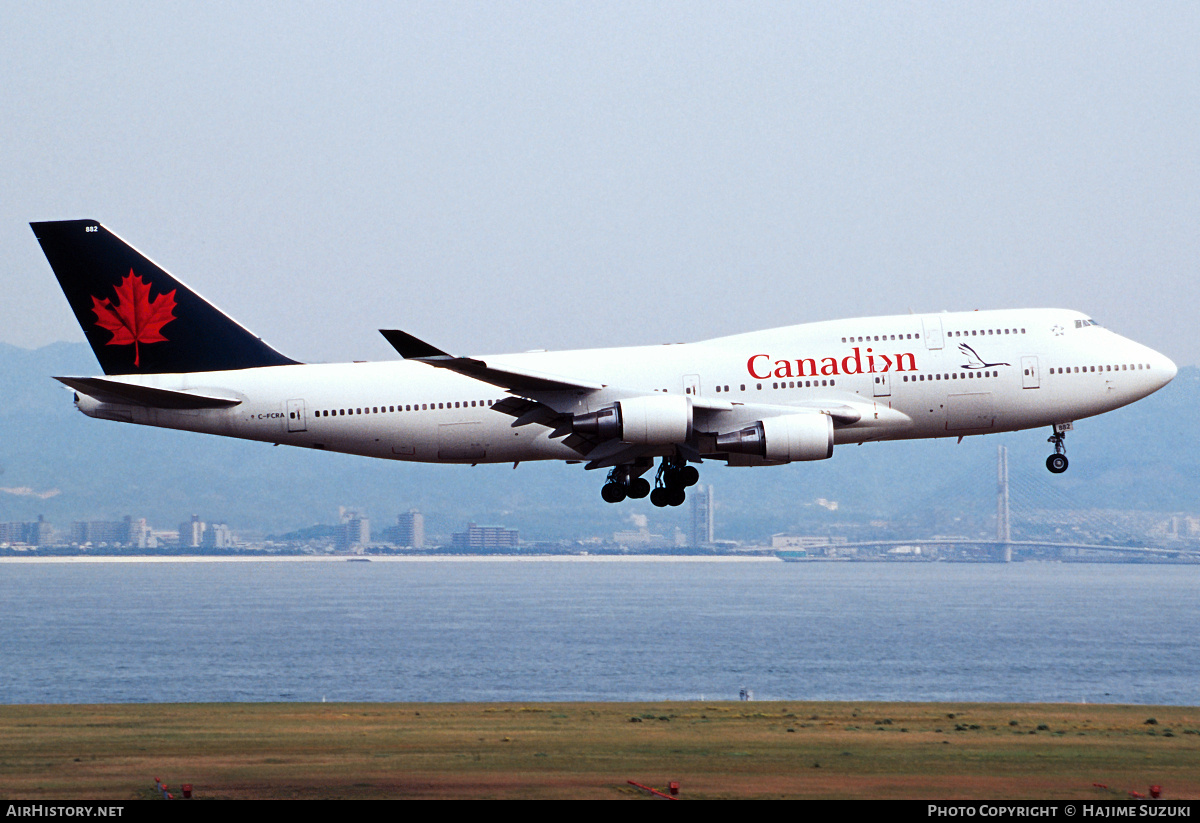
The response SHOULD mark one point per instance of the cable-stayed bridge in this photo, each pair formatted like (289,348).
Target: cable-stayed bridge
(1037,519)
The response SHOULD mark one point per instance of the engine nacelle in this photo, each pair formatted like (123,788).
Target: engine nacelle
(653,420)
(785,439)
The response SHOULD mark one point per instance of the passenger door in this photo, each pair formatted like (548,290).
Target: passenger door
(934,339)
(295,416)
(883,384)
(1030,379)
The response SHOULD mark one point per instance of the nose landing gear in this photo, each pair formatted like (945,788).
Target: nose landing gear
(1057,462)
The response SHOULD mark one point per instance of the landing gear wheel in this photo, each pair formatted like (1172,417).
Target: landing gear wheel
(638,488)
(674,473)
(1057,462)
(675,497)
(660,497)
(613,492)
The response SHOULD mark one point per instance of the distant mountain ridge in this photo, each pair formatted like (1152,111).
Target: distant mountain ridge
(56,462)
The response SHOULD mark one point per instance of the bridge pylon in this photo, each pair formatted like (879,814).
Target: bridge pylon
(1003,523)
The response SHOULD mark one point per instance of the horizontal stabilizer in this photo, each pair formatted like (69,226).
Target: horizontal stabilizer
(128,394)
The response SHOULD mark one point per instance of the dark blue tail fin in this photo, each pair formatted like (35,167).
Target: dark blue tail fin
(138,318)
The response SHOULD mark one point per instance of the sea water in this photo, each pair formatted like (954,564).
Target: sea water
(596,629)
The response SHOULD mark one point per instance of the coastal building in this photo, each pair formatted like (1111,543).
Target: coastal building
(409,531)
(354,530)
(217,536)
(37,533)
(191,533)
(125,532)
(485,539)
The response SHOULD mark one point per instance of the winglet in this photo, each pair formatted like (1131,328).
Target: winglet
(410,347)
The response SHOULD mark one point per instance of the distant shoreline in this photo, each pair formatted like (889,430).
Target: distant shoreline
(402,558)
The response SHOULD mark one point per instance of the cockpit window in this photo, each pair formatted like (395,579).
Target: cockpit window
(1079,324)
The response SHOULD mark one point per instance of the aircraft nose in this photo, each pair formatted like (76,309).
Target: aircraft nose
(1168,369)
(1162,368)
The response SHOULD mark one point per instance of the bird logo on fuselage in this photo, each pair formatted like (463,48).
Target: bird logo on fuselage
(974,361)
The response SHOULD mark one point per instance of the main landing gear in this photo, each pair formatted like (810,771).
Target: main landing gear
(1057,462)
(622,484)
(674,476)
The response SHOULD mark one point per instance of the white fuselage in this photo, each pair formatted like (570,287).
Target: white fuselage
(908,375)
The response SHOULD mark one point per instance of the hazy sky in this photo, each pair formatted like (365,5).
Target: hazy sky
(499,177)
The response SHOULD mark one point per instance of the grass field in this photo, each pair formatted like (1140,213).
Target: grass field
(591,750)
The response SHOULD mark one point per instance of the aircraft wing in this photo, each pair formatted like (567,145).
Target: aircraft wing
(548,400)
(531,384)
(129,394)
(538,397)
(520,382)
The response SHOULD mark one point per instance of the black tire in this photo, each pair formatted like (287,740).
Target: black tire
(659,497)
(1057,463)
(639,487)
(689,476)
(675,497)
(612,492)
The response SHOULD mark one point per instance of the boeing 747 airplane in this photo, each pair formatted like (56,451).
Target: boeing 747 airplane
(763,398)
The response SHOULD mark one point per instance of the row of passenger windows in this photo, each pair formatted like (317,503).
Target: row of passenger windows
(983,332)
(459,404)
(786,384)
(963,375)
(867,338)
(1086,369)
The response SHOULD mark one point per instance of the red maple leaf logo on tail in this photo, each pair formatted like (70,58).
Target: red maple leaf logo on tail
(135,318)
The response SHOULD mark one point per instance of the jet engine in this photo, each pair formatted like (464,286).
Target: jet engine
(783,439)
(653,420)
